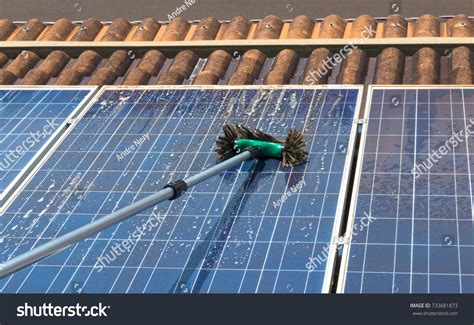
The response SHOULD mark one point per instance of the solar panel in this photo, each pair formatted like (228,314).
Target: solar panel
(250,229)
(30,120)
(411,227)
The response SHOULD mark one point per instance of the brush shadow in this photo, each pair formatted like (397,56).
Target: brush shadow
(207,253)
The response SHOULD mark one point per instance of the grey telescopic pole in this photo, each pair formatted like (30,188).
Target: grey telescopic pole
(169,192)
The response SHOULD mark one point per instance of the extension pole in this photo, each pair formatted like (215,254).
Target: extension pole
(169,192)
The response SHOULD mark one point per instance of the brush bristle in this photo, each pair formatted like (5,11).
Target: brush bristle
(294,147)
(294,152)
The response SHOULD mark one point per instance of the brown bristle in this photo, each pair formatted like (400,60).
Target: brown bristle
(294,152)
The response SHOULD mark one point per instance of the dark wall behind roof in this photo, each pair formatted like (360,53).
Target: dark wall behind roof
(50,10)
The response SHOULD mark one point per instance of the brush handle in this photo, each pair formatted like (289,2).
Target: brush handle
(170,192)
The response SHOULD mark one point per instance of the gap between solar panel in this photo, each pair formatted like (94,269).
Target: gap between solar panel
(236,145)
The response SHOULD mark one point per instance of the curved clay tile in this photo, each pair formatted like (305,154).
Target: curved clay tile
(117,31)
(3,59)
(7,78)
(147,30)
(251,63)
(30,31)
(395,26)
(206,29)
(152,62)
(460,26)
(240,78)
(355,67)
(170,78)
(301,27)
(59,31)
(35,77)
(461,65)
(363,27)
(87,62)
(103,76)
(390,65)
(176,30)
(283,68)
(24,62)
(332,27)
(206,78)
(6,28)
(269,28)
(238,28)
(137,77)
(316,73)
(54,63)
(69,77)
(218,62)
(426,66)
(88,30)
(426,26)
(184,63)
(119,62)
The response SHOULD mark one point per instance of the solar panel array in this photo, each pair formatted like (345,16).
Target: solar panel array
(412,220)
(29,118)
(238,232)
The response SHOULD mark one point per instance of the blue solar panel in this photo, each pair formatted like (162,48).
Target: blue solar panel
(29,118)
(412,222)
(235,233)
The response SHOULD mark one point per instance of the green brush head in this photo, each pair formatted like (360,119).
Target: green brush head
(266,149)
(237,138)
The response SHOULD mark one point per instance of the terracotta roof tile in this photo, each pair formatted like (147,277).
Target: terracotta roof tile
(24,62)
(59,31)
(88,30)
(269,28)
(30,31)
(117,31)
(301,27)
(238,28)
(137,76)
(206,29)
(147,30)
(6,28)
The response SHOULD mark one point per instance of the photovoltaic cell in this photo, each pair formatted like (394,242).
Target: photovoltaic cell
(29,118)
(237,232)
(412,215)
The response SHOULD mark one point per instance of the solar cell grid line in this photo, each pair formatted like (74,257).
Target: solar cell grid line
(260,224)
(33,117)
(59,194)
(113,187)
(187,198)
(455,193)
(183,287)
(266,108)
(468,154)
(159,257)
(179,161)
(178,284)
(421,238)
(95,237)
